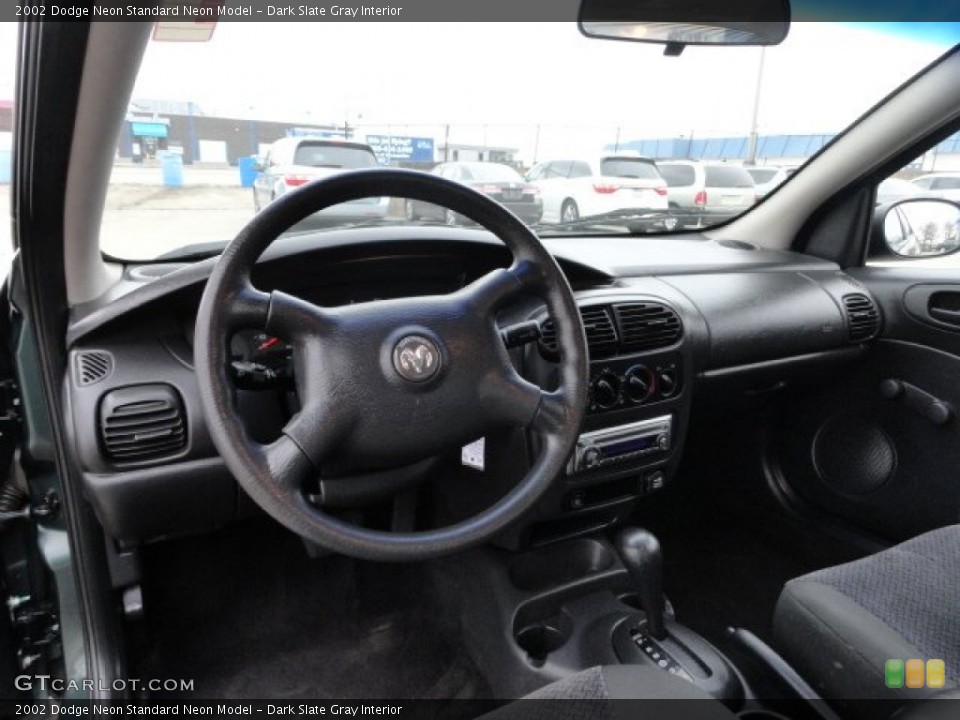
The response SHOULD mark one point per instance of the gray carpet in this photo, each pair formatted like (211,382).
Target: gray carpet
(246,613)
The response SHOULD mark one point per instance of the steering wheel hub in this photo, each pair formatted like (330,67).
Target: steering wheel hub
(416,358)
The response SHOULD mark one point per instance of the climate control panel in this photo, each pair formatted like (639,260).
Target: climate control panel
(622,383)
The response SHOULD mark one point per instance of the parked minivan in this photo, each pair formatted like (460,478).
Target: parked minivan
(295,161)
(698,190)
(610,185)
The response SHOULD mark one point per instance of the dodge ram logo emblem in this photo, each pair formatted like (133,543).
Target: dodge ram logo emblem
(416,358)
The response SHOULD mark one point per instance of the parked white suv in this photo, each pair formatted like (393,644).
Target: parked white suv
(698,191)
(295,161)
(943,185)
(614,186)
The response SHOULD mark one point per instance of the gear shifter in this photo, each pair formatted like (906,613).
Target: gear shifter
(640,551)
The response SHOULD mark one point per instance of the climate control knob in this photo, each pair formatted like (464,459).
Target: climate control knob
(606,391)
(667,382)
(638,384)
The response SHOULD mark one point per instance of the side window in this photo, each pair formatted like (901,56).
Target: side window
(559,169)
(579,170)
(919,227)
(946,183)
(536,173)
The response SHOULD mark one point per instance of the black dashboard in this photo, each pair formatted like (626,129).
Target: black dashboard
(673,324)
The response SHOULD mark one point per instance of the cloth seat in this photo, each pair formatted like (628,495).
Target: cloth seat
(839,626)
(585,696)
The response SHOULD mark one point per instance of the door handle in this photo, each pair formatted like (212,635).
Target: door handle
(944,315)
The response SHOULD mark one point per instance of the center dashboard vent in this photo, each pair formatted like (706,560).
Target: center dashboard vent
(142,423)
(647,326)
(863,317)
(628,327)
(598,326)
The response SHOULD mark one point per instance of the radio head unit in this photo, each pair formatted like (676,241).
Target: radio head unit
(622,444)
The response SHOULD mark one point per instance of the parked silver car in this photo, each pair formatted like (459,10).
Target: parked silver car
(767,178)
(295,161)
(699,191)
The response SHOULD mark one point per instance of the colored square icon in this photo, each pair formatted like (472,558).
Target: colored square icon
(915,673)
(936,674)
(893,673)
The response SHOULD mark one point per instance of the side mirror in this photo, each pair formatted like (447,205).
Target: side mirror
(921,228)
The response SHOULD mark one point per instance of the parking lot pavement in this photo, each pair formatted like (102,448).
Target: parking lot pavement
(151,173)
(142,222)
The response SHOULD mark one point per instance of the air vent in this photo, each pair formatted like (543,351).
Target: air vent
(92,366)
(863,317)
(647,326)
(142,423)
(598,326)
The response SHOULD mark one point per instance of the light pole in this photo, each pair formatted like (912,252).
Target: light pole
(752,147)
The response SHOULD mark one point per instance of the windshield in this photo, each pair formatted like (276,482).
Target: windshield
(761,176)
(199,156)
(490,172)
(319,154)
(627,168)
(728,177)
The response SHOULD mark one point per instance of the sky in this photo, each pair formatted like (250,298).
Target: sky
(495,83)
(522,84)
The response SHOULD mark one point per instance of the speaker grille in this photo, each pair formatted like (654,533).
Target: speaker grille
(92,366)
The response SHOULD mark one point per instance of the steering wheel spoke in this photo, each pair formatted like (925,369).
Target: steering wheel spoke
(499,287)
(293,318)
(287,465)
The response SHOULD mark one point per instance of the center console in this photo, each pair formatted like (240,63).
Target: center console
(641,363)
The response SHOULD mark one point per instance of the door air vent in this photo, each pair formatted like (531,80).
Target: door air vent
(142,423)
(92,366)
(863,317)
(598,326)
(647,326)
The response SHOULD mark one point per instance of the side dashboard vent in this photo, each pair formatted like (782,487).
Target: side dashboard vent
(142,423)
(863,317)
(92,366)
(647,326)
(597,325)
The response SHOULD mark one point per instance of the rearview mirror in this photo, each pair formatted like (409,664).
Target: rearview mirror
(687,22)
(919,228)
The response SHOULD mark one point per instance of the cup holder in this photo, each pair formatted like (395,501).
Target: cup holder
(539,639)
(631,600)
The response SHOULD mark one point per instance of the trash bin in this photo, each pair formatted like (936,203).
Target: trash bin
(6,166)
(172,166)
(248,171)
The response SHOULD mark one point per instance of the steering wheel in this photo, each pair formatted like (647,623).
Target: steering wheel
(390,381)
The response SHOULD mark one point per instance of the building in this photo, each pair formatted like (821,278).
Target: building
(154,127)
(787,150)
(459,152)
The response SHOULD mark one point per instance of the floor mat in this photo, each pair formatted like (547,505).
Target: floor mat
(247,614)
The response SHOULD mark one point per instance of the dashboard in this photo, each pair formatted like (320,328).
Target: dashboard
(673,325)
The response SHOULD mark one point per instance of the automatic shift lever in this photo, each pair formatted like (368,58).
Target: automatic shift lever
(640,551)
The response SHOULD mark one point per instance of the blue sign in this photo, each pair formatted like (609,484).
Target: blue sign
(391,148)
(148,129)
